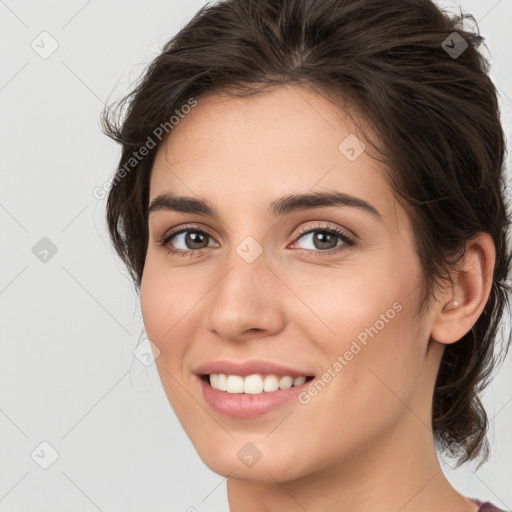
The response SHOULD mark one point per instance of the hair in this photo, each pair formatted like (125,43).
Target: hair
(436,115)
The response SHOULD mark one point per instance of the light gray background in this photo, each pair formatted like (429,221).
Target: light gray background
(68,326)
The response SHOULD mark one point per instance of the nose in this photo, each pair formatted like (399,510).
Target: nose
(247,301)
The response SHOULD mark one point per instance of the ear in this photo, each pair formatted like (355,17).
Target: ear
(461,303)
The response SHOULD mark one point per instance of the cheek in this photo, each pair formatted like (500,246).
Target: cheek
(378,386)
(376,355)
(372,339)
(166,298)
(167,305)
(360,302)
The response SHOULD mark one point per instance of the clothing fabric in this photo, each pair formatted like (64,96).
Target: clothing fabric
(487,507)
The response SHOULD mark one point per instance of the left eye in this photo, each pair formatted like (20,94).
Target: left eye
(324,239)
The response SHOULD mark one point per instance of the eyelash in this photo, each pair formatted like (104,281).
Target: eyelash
(347,241)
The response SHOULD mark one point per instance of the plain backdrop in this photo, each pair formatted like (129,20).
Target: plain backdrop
(70,318)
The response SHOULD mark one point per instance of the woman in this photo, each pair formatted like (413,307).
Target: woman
(310,201)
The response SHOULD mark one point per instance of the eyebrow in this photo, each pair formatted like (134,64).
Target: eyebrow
(278,208)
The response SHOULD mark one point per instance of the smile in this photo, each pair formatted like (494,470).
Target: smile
(253,384)
(250,388)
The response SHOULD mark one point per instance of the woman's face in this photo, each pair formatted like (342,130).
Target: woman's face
(277,287)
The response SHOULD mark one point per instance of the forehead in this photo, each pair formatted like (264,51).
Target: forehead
(247,150)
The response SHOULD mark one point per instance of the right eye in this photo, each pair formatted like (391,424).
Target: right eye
(192,241)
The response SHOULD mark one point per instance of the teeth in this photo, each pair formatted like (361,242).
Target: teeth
(270,383)
(285,382)
(253,384)
(222,382)
(235,384)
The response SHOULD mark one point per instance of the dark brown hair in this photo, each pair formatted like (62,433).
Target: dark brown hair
(435,112)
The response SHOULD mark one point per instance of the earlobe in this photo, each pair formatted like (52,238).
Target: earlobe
(460,305)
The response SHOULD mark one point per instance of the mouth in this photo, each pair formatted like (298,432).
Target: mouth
(254,384)
(248,389)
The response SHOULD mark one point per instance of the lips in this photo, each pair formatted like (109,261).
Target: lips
(249,367)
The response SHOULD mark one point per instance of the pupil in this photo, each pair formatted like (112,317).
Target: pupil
(192,238)
(321,237)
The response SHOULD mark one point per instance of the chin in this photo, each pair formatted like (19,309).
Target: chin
(256,460)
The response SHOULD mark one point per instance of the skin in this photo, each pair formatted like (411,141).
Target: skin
(364,442)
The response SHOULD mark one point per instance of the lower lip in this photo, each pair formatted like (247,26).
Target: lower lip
(244,405)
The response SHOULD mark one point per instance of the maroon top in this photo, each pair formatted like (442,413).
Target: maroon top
(487,507)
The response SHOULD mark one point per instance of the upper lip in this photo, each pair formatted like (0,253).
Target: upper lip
(249,367)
